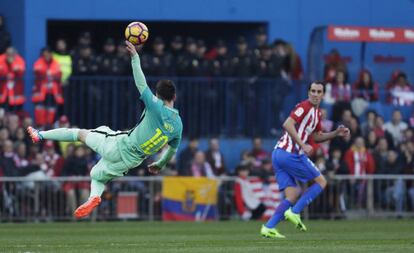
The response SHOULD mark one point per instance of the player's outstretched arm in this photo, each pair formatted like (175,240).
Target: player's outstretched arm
(321,137)
(157,166)
(139,76)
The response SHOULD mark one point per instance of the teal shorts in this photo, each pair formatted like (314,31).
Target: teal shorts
(103,141)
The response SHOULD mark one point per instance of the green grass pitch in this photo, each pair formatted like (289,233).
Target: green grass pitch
(132,236)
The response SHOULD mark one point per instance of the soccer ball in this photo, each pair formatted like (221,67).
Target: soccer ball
(136,33)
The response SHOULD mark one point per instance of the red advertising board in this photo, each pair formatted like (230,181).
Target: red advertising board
(370,34)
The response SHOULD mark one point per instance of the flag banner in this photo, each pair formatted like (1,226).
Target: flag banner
(189,199)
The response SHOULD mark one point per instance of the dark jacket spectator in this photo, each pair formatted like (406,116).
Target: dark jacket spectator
(365,87)
(215,158)
(186,156)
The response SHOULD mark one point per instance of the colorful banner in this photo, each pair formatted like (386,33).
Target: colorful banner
(189,199)
(370,34)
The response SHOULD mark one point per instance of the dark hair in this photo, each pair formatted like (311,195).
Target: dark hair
(165,90)
(323,83)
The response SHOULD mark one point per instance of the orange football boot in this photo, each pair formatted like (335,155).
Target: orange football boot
(86,208)
(34,134)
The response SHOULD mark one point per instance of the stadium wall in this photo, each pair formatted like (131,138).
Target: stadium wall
(292,20)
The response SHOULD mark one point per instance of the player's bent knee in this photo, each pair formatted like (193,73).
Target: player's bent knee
(321,180)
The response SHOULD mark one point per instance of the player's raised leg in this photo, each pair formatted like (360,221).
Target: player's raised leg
(58,134)
(98,180)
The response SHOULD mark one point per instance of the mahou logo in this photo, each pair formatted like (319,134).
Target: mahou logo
(409,34)
(381,34)
(346,32)
(371,34)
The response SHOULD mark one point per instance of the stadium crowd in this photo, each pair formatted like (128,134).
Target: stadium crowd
(376,146)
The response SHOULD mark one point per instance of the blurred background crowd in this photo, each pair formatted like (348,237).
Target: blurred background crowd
(379,143)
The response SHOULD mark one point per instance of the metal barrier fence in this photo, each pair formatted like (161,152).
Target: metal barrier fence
(25,199)
(208,106)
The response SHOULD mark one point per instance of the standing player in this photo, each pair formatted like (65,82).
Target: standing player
(291,162)
(160,124)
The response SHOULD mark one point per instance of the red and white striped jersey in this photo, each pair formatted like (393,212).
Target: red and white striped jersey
(308,120)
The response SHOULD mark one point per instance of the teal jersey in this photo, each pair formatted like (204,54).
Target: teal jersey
(159,124)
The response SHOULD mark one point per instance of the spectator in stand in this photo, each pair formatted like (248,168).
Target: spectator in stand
(333,63)
(188,63)
(408,155)
(76,165)
(326,123)
(365,87)
(12,68)
(260,42)
(242,95)
(4,136)
(52,159)
(20,157)
(176,50)
(408,135)
(354,127)
(186,156)
(246,196)
(108,61)
(242,62)
(400,91)
(371,140)
(381,132)
(123,59)
(359,159)
(338,93)
(341,89)
(336,166)
(280,58)
(395,191)
(21,136)
(7,161)
(201,49)
(369,123)
(360,162)
(295,69)
(215,157)
(258,153)
(380,156)
(62,56)
(5,39)
(158,63)
(47,91)
(396,127)
(220,62)
(200,167)
(84,40)
(85,63)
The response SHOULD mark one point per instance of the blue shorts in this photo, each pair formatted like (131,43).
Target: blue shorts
(291,167)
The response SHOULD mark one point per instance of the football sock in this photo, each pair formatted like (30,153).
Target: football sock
(97,188)
(278,215)
(307,198)
(61,134)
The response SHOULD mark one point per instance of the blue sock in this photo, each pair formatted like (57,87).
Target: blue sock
(279,214)
(307,198)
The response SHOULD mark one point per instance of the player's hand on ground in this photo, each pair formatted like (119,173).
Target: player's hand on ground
(154,169)
(132,50)
(342,131)
(307,149)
